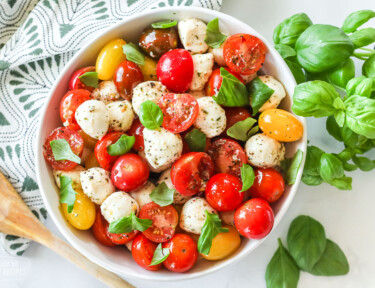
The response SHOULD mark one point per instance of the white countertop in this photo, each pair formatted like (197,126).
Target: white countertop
(346,215)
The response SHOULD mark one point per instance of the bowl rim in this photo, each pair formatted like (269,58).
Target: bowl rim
(39,154)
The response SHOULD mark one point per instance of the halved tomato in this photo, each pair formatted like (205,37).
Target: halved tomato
(143,251)
(215,80)
(76,83)
(105,160)
(120,238)
(100,228)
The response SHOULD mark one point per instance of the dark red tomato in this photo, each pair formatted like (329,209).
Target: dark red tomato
(254,219)
(223,192)
(68,106)
(268,185)
(234,115)
(156,42)
(136,130)
(143,251)
(76,83)
(100,228)
(105,160)
(227,155)
(191,172)
(175,70)
(129,172)
(127,76)
(183,253)
(215,80)
(120,238)
(179,111)
(244,53)
(164,221)
(75,142)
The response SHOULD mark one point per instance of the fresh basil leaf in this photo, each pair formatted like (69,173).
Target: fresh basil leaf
(133,54)
(345,155)
(282,271)
(211,227)
(67,193)
(349,167)
(128,224)
(343,183)
(259,94)
(150,115)
(296,70)
(368,68)
(340,117)
(196,140)
(90,79)
(61,151)
(242,129)
(306,241)
(338,104)
(311,172)
(363,37)
(232,92)
(333,129)
(357,19)
(291,167)
(361,86)
(160,255)
(162,195)
(341,76)
(164,24)
(122,145)
(285,51)
(364,163)
(349,138)
(214,38)
(330,167)
(247,177)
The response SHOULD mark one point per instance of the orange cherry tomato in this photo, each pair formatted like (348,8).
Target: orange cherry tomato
(109,58)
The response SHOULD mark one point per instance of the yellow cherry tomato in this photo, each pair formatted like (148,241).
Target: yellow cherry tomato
(109,58)
(83,214)
(149,69)
(280,125)
(224,244)
(88,141)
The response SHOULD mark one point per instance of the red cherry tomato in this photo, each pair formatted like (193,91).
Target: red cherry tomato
(129,172)
(191,172)
(127,76)
(215,80)
(105,160)
(227,155)
(100,228)
(143,252)
(136,130)
(120,238)
(234,115)
(175,70)
(75,142)
(268,185)
(179,111)
(223,192)
(183,253)
(164,221)
(254,219)
(68,106)
(244,53)
(76,83)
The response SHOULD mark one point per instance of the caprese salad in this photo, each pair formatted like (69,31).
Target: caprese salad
(173,146)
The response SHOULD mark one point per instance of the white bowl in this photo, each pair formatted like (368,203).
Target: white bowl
(117,259)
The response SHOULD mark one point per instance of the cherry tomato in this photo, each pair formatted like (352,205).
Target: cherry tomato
(136,130)
(179,111)
(234,115)
(191,172)
(156,42)
(100,228)
(254,219)
(120,238)
(183,253)
(76,83)
(164,221)
(143,251)
(68,106)
(215,80)
(127,76)
(129,172)
(175,70)
(149,70)
(75,142)
(244,53)
(268,185)
(105,160)
(227,155)
(223,192)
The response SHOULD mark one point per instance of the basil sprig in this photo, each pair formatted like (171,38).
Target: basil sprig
(164,24)
(247,177)
(67,193)
(90,79)
(150,115)
(162,195)
(160,255)
(291,166)
(122,145)
(259,94)
(128,224)
(62,151)
(214,38)
(196,140)
(357,19)
(368,68)
(243,130)
(133,54)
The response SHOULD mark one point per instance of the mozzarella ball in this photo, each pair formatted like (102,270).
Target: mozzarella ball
(203,64)
(106,92)
(93,118)
(278,94)
(263,151)
(152,169)
(192,216)
(162,147)
(96,184)
(228,217)
(178,198)
(248,78)
(218,55)
(118,205)
(121,115)
(74,174)
(142,195)
(192,34)
(211,119)
(150,90)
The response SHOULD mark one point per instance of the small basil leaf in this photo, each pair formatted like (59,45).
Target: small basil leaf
(349,167)
(61,151)
(349,138)
(338,104)
(351,86)
(311,180)
(160,255)
(368,68)
(128,224)
(285,51)
(242,129)
(247,177)
(150,115)
(340,117)
(343,183)
(259,94)
(164,24)
(122,145)
(357,19)
(364,163)
(162,195)
(346,154)
(90,79)
(296,70)
(214,38)
(330,167)
(340,76)
(291,167)
(67,193)
(333,129)
(311,170)
(363,37)
(196,140)
(133,54)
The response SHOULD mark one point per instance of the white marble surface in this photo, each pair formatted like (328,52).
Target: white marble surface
(346,215)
